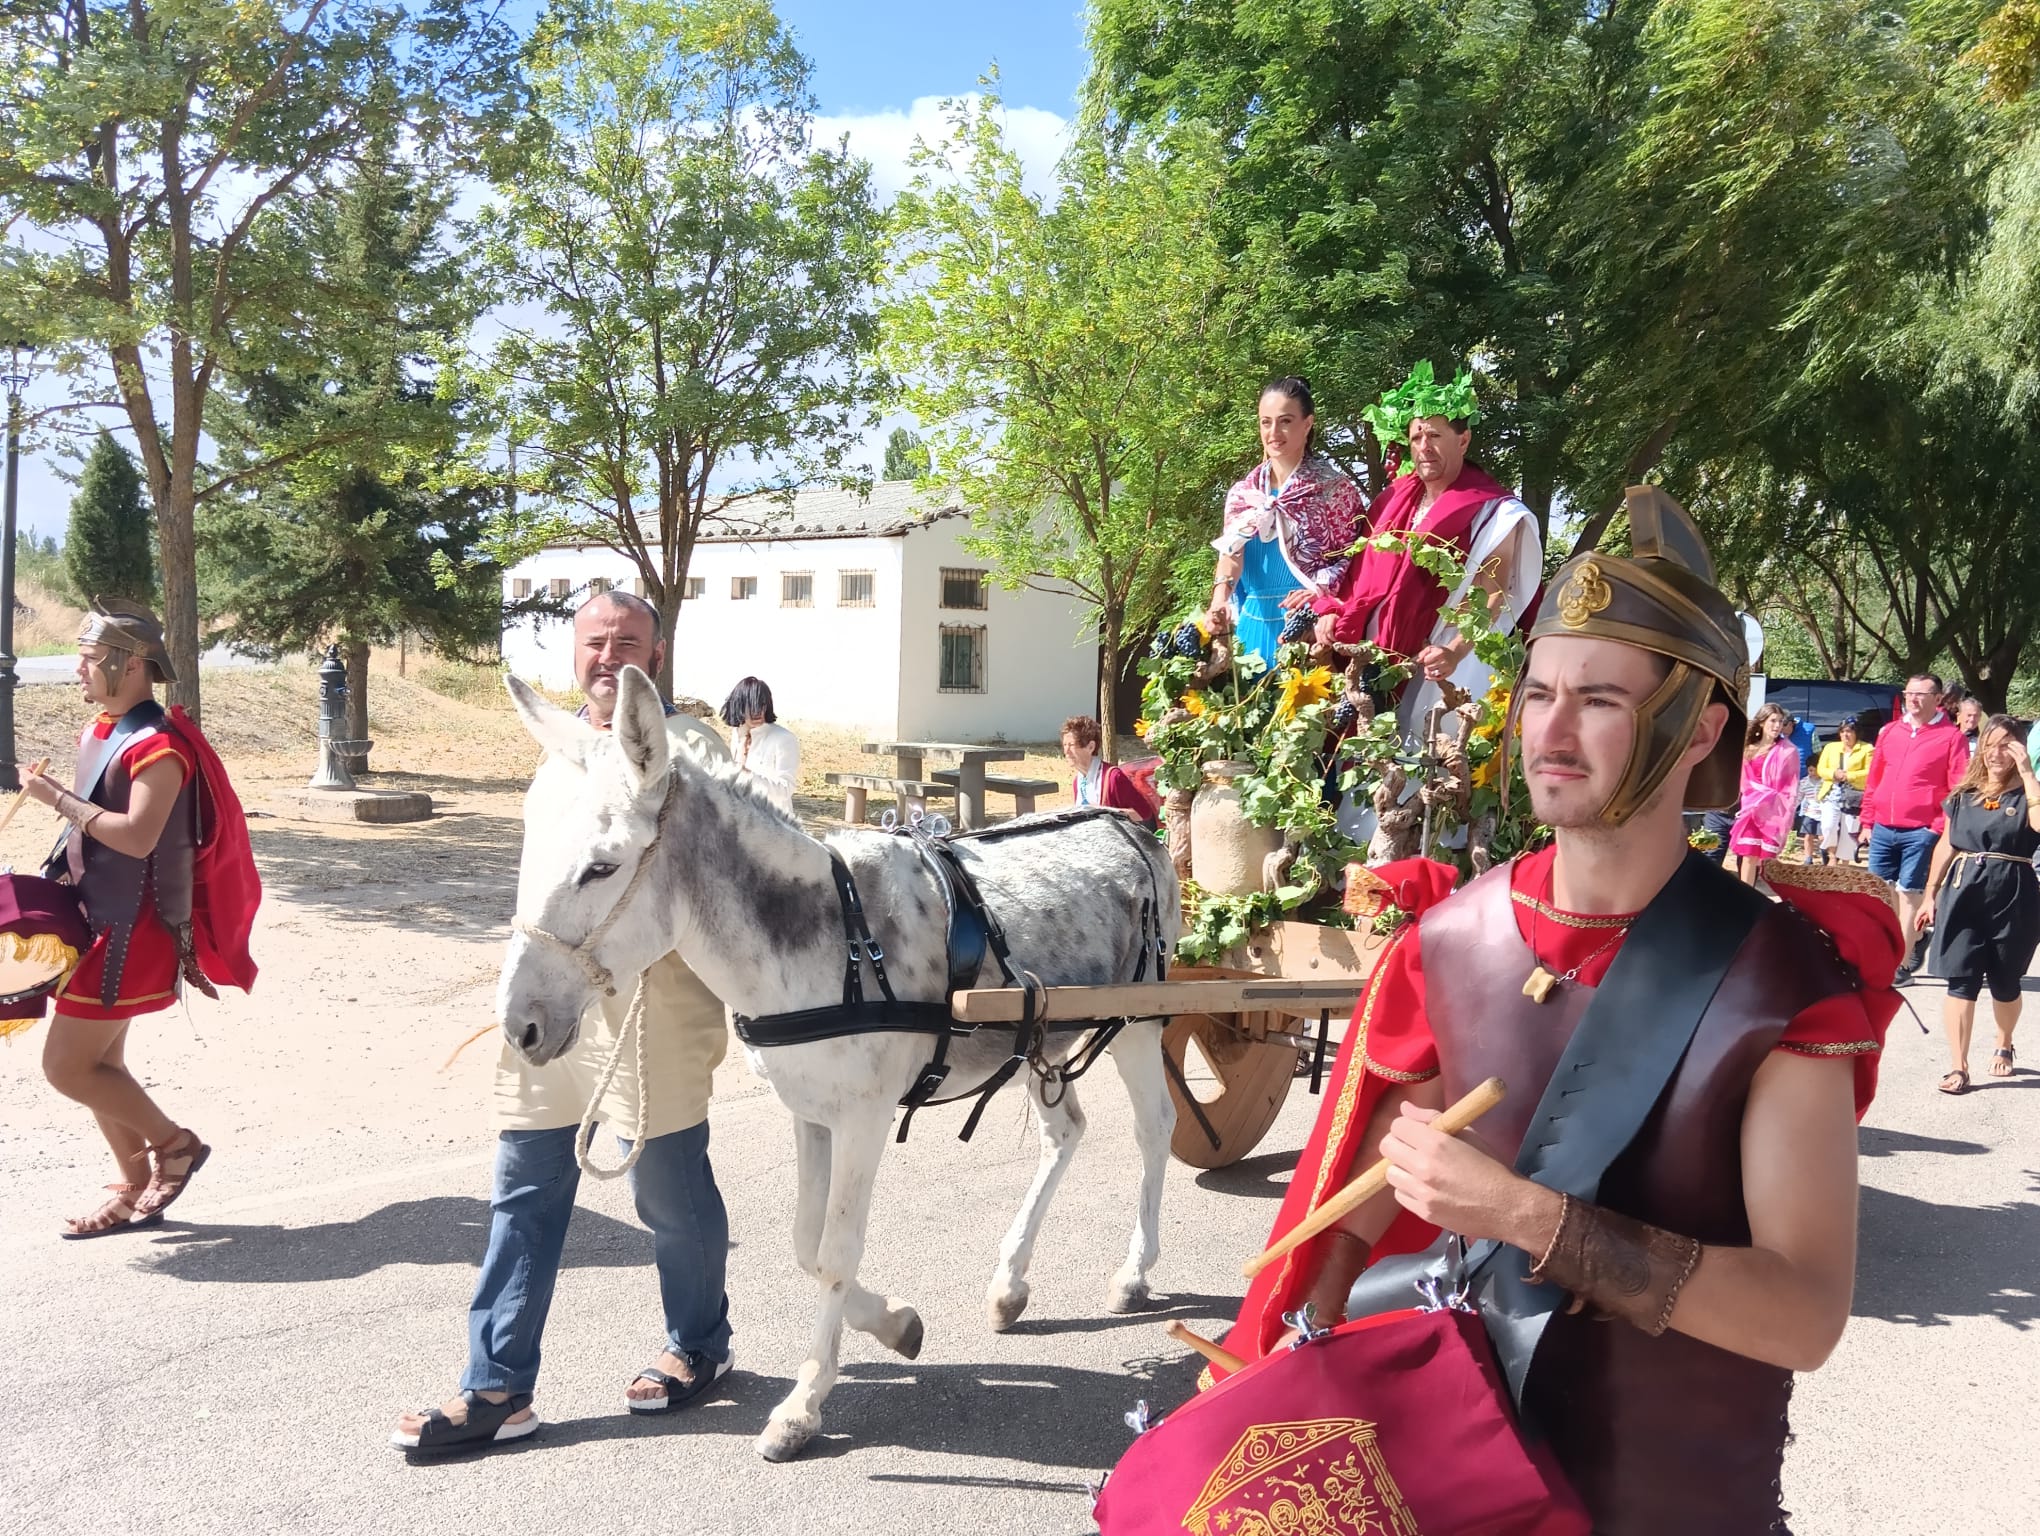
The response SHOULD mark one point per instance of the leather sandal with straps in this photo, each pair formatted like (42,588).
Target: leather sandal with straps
(115,1215)
(487,1424)
(172,1166)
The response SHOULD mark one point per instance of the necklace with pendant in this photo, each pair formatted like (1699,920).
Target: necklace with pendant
(1541,983)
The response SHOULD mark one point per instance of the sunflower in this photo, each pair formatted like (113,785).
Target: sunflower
(1142,727)
(1488,771)
(1194,702)
(1300,690)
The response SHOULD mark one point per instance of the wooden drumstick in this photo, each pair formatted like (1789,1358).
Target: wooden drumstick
(21,794)
(1217,1354)
(1457,1118)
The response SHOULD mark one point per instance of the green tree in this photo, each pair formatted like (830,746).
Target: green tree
(1078,365)
(906,456)
(107,546)
(363,543)
(706,274)
(164,145)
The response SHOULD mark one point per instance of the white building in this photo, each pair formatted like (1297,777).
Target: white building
(863,613)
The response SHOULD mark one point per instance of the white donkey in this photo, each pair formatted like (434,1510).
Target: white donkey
(659,853)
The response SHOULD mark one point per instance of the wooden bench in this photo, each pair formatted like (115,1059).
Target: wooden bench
(1024,791)
(913,794)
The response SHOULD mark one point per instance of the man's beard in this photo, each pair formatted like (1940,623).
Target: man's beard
(1572,809)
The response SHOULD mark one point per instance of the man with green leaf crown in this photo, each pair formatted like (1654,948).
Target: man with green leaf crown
(1386,598)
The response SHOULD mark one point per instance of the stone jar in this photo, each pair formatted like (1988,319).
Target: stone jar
(1226,850)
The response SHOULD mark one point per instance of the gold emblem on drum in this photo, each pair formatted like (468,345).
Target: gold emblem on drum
(1585,593)
(1322,1476)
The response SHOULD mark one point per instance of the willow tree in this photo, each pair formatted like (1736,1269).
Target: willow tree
(705,273)
(1076,362)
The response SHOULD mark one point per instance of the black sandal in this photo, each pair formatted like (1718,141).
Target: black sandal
(1955,1081)
(678,1392)
(2003,1054)
(487,1424)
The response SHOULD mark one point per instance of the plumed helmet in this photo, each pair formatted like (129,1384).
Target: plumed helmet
(126,626)
(1662,597)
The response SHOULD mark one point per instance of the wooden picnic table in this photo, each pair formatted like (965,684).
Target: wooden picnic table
(970,763)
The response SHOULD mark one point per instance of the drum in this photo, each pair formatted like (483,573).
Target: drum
(42,938)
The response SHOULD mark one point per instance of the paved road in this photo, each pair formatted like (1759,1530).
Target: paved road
(238,1371)
(64,669)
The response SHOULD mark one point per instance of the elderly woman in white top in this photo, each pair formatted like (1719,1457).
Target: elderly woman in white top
(760,745)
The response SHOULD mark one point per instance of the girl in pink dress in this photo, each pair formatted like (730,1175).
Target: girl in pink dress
(1770,790)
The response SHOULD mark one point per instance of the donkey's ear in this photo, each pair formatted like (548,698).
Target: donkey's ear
(639,727)
(560,733)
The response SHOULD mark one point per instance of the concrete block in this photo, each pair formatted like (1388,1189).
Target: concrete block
(372,805)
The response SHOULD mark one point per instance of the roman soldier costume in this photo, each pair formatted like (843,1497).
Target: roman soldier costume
(1629,1043)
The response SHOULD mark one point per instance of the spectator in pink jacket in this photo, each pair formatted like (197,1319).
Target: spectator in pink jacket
(1918,760)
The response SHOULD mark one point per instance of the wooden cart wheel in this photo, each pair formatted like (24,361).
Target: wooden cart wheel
(1238,1078)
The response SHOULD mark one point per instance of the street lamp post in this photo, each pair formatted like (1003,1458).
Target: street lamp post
(20,357)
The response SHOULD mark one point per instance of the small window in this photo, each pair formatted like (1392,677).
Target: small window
(520,587)
(637,588)
(597,585)
(854,589)
(697,588)
(561,586)
(963,659)
(743,588)
(797,589)
(962,588)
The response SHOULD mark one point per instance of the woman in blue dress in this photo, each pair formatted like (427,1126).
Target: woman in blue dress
(1288,525)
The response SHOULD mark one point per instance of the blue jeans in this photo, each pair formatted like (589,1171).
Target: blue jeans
(1902,855)
(533,1201)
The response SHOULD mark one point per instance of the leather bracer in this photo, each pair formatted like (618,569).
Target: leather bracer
(1617,1265)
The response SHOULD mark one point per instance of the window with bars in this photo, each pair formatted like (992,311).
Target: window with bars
(520,587)
(856,589)
(962,588)
(697,588)
(797,589)
(743,588)
(561,586)
(962,666)
(597,585)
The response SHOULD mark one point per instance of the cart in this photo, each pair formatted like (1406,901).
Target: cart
(1257,1023)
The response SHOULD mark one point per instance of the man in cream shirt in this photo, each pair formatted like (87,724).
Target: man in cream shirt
(537,1112)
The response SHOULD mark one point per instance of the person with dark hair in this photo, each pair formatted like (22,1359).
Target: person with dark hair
(1391,601)
(1770,784)
(1982,897)
(1288,525)
(1843,770)
(1098,782)
(1917,761)
(762,747)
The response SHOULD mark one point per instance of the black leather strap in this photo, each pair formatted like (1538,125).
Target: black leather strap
(91,770)
(1625,1051)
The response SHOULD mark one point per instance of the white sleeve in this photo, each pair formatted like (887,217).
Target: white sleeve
(1508,529)
(775,757)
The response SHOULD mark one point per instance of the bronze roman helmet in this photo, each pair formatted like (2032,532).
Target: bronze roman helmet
(1662,597)
(120,625)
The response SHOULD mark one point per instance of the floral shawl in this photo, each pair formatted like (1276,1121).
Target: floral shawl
(1321,516)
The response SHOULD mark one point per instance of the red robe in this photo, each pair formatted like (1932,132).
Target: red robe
(1387,585)
(1388,1043)
(225,888)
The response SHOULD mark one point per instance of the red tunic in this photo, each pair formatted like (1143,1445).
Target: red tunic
(148,981)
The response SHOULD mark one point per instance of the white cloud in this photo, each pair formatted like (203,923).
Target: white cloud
(886,138)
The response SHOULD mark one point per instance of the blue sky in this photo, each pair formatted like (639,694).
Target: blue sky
(879,71)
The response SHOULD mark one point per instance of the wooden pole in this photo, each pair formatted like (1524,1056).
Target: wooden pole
(1478,1102)
(22,793)
(1217,1354)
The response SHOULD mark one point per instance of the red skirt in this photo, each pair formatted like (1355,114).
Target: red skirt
(148,982)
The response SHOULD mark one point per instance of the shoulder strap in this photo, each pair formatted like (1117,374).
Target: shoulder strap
(92,765)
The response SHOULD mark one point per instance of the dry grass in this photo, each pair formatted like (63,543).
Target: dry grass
(44,624)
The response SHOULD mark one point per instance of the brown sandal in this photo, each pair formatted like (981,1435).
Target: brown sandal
(167,1183)
(2001,1062)
(1956,1081)
(115,1215)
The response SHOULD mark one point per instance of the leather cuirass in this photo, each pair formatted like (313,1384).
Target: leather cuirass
(113,886)
(1666,1435)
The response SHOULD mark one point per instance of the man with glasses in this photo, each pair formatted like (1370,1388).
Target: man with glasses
(1915,765)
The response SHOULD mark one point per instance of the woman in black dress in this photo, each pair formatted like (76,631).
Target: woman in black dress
(1983,886)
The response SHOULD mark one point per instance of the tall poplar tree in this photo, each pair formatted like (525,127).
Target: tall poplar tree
(108,548)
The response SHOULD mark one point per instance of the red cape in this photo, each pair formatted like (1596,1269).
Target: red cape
(225,889)
(1406,596)
(1864,931)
